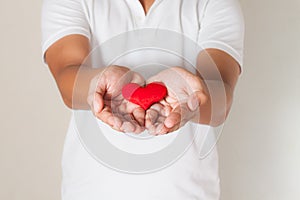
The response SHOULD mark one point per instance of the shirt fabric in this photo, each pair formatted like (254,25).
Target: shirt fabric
(211,24)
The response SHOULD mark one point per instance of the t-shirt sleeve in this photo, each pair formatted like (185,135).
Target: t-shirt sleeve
(61,18)
(222,27)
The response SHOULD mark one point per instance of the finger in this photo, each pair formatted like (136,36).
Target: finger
(166,111)
(155,127)
(121,108)
(139,129)
(129,107)
(153,79)
(98,85)
(152,129)
(128,127)
(159,108)
(139,116)
(202,96)
(177,126)
(196,99)
(139,79)
(133,113)
(131,125)
(151,117)
(117,122)
(154,113)
(95,101)
(106,116)
(174,128)
(155,119)
(119,98)
(171,99)
(173,119)
(161,129)
(98,103)
(164,108)
(179,114)
(193,102)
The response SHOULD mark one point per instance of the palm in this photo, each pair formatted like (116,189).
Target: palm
(111,107)
(180,105)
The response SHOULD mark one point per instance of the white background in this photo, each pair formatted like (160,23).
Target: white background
(259,148)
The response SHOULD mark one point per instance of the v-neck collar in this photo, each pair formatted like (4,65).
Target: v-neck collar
(140,8)
(138,12)
(146,12)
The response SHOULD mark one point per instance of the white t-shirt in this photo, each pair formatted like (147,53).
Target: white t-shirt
(86,176)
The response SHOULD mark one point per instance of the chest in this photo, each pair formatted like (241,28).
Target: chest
(123,35)
(109,18)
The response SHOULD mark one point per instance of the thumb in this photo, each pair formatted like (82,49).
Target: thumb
(98,103)
(137,78)
(196,99)
(95,96)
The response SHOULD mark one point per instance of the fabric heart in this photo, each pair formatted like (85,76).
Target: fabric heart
(144,96)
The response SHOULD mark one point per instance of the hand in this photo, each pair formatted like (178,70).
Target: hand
(186,92)
(108,104)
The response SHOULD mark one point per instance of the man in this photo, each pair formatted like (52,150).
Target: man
(73,28)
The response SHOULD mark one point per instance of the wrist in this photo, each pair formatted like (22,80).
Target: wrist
(83,86)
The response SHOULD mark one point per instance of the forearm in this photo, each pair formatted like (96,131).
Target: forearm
(67,61)
(74,83)
(220,73)
(214,112)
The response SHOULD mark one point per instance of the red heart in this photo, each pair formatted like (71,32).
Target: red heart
(144,96)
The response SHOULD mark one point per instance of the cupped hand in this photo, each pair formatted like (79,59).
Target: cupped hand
(108,104)
(186,92)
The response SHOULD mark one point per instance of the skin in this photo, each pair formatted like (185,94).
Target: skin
(100,89)
(96,89)
(189,99)
(147,5)
(108,104)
